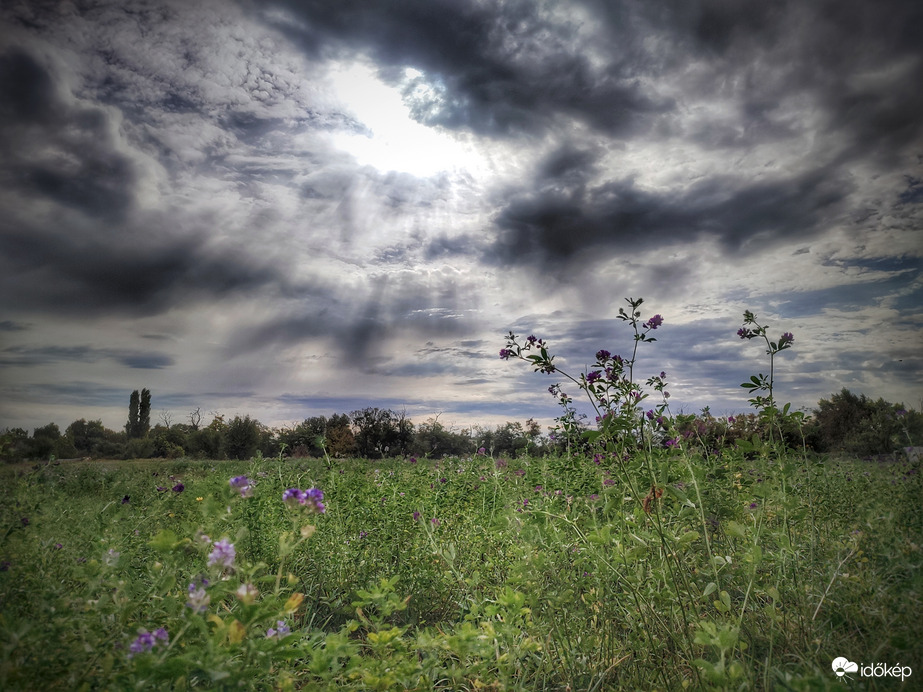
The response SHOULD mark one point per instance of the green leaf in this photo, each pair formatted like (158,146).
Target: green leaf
(680,495)
(688,537)
(165,540)
(710,588)
(736,529)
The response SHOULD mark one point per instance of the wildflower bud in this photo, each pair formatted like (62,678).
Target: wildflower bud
(247,593)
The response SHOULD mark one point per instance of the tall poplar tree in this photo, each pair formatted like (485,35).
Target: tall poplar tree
(144,414)
(131,427)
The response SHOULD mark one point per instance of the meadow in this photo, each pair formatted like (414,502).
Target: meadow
(748,569)
(652,552)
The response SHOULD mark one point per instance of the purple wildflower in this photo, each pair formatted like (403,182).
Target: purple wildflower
(785,339)
(242,484)
(674,442)
(413,460)
(178,488)
(745,333)
(161,489)
(593,376)
(505,353)
(144,642)
(293,496)
(602,355)
(198,598)
(161,634)
(653,322)
(279,631)
(608,482)
(223,554)
(125,500)
(435,522)
(310,499)
(416,516)
(247,593)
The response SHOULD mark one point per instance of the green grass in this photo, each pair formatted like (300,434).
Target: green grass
(543,574)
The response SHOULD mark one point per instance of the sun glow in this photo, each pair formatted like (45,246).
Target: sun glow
(396,142)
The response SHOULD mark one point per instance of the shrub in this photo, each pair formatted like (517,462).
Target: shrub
(242,438)
(855,424)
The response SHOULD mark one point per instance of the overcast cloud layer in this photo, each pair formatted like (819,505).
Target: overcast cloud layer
(309,207)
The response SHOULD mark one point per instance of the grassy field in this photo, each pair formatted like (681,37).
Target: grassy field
(666,570)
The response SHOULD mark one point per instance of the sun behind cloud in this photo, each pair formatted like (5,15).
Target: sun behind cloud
(394,141)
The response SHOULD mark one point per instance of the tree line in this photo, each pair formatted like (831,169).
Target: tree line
(843,423)
(371,433)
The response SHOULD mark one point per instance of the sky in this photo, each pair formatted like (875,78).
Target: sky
(306,207)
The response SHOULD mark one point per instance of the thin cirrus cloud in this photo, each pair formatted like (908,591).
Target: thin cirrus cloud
(313,207)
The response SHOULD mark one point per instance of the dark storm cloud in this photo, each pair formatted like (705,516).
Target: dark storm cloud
(43,355)
(57,150)
(557,219)
(72,393)
(75,229)
(141,271)
(850,67)
(495,69)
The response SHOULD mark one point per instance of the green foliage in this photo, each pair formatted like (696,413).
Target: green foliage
(144,413)
(242,438)
(91,438)
(857,425)
(132,428)
(433,439)
(380,433)
(534,574)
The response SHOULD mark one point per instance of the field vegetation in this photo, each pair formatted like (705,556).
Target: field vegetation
(647,551)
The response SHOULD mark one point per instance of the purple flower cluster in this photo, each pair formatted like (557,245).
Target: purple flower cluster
(146,641)
(242,484)
(505,353)
(311,499)
(223,554)
(198,597)
(280,630)
(786,339)
(653,322)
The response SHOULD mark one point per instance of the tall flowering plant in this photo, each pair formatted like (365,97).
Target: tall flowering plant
(609,384)
(760,383)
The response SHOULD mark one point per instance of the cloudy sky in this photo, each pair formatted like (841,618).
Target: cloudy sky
(304,207)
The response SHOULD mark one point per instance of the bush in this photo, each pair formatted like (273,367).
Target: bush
(857,425)
(242,438)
